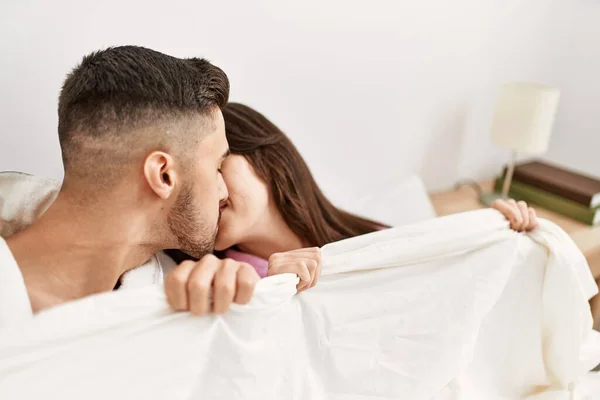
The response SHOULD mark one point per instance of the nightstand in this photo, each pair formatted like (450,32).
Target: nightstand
(586,237)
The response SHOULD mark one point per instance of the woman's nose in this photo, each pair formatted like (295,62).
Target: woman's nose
(223,192)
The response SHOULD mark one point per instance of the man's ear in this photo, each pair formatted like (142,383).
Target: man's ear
(159,170)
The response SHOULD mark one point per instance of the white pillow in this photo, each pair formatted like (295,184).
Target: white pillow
(23,199)
(398,202)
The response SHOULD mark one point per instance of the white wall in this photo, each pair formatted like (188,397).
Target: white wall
(575,62)
(368,90)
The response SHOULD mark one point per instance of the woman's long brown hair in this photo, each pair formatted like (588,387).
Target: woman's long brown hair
(277,162)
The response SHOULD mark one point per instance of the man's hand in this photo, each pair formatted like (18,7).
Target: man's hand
(306,263)
(188,287)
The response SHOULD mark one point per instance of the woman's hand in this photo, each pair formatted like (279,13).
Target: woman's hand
(521,217)
(306,263)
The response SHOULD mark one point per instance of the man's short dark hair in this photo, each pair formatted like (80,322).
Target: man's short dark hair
(123,89)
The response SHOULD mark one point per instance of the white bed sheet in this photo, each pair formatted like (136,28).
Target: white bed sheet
(454,308)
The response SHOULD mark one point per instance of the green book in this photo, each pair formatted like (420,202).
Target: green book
(551,201)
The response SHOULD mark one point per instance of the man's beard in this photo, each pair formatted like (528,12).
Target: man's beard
(193,234)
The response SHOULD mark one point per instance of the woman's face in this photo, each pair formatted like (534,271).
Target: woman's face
(247,205)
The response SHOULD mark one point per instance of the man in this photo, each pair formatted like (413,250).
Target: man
(142,139)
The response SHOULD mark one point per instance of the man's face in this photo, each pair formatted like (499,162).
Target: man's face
(194,217)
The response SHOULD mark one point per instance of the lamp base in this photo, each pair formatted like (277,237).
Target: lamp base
(488,199)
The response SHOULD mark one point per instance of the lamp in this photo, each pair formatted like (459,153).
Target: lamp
(523,121)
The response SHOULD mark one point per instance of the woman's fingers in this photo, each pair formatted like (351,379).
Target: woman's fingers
(306,263)
(312,266)
(517,218)
(290,256)
(519,214)
(507,210)
(317,275)
(298,267)
(524,212)
(533,222)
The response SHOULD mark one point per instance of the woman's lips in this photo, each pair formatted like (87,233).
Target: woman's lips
(221,208)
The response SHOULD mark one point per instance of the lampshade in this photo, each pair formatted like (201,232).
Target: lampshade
(524,116)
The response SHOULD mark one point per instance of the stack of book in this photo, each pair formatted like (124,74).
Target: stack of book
(556,189)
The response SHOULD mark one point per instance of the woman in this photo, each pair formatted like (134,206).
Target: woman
(277,212)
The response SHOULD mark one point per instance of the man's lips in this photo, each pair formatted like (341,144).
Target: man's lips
(221,208)
(222,205)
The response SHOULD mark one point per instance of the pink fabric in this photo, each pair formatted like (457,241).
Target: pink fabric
(260,264)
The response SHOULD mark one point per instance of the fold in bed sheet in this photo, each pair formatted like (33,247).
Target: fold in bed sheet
(456,307)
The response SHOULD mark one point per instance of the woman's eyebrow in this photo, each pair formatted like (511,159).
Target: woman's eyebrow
(225,155)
